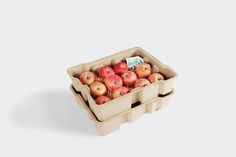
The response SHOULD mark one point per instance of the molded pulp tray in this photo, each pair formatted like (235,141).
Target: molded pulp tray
(123,103)
(131,115)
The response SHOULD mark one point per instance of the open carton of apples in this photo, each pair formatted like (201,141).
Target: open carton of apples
(111,84)
(110,87)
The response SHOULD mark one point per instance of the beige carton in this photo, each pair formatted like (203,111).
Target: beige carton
(113,124)
(124,103)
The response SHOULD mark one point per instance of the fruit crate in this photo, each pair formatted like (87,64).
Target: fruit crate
(113,124)
(124,103)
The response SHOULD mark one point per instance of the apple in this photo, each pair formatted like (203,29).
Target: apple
(105,71)
(98,89)
(155,77)
(141,82)
(112,82)
(120,68)
(143,70)
(129,78)
(87,77)
(119,92)
(102,99)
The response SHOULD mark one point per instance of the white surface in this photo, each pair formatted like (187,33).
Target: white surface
(39,40)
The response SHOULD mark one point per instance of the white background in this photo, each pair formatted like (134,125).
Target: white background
(39,40)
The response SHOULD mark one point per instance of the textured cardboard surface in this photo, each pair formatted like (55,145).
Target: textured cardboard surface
(113,124)
(123,103)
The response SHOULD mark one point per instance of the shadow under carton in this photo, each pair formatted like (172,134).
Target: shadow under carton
(113,124)
(123,103)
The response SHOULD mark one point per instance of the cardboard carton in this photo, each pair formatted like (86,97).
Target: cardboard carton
(124,103)
(113,124)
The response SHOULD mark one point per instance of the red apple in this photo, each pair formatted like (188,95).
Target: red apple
(112,82)
(119,92)
(98,89)
(129,78)
(155,77)
(102,99)
(105,71)
(120,68)
(143,70)
(87,77)
(141,82)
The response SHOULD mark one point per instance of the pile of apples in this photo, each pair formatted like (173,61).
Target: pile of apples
(111,83)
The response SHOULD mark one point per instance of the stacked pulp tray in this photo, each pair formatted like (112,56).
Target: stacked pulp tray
(109,116)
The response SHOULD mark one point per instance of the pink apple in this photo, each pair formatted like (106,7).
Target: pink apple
(141,82)
(120,68)
(102,99)
(105,71)
(143,70)
(112,82)
(155,77)
(98,89)
(87,77)
(129,78)
(119,92)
